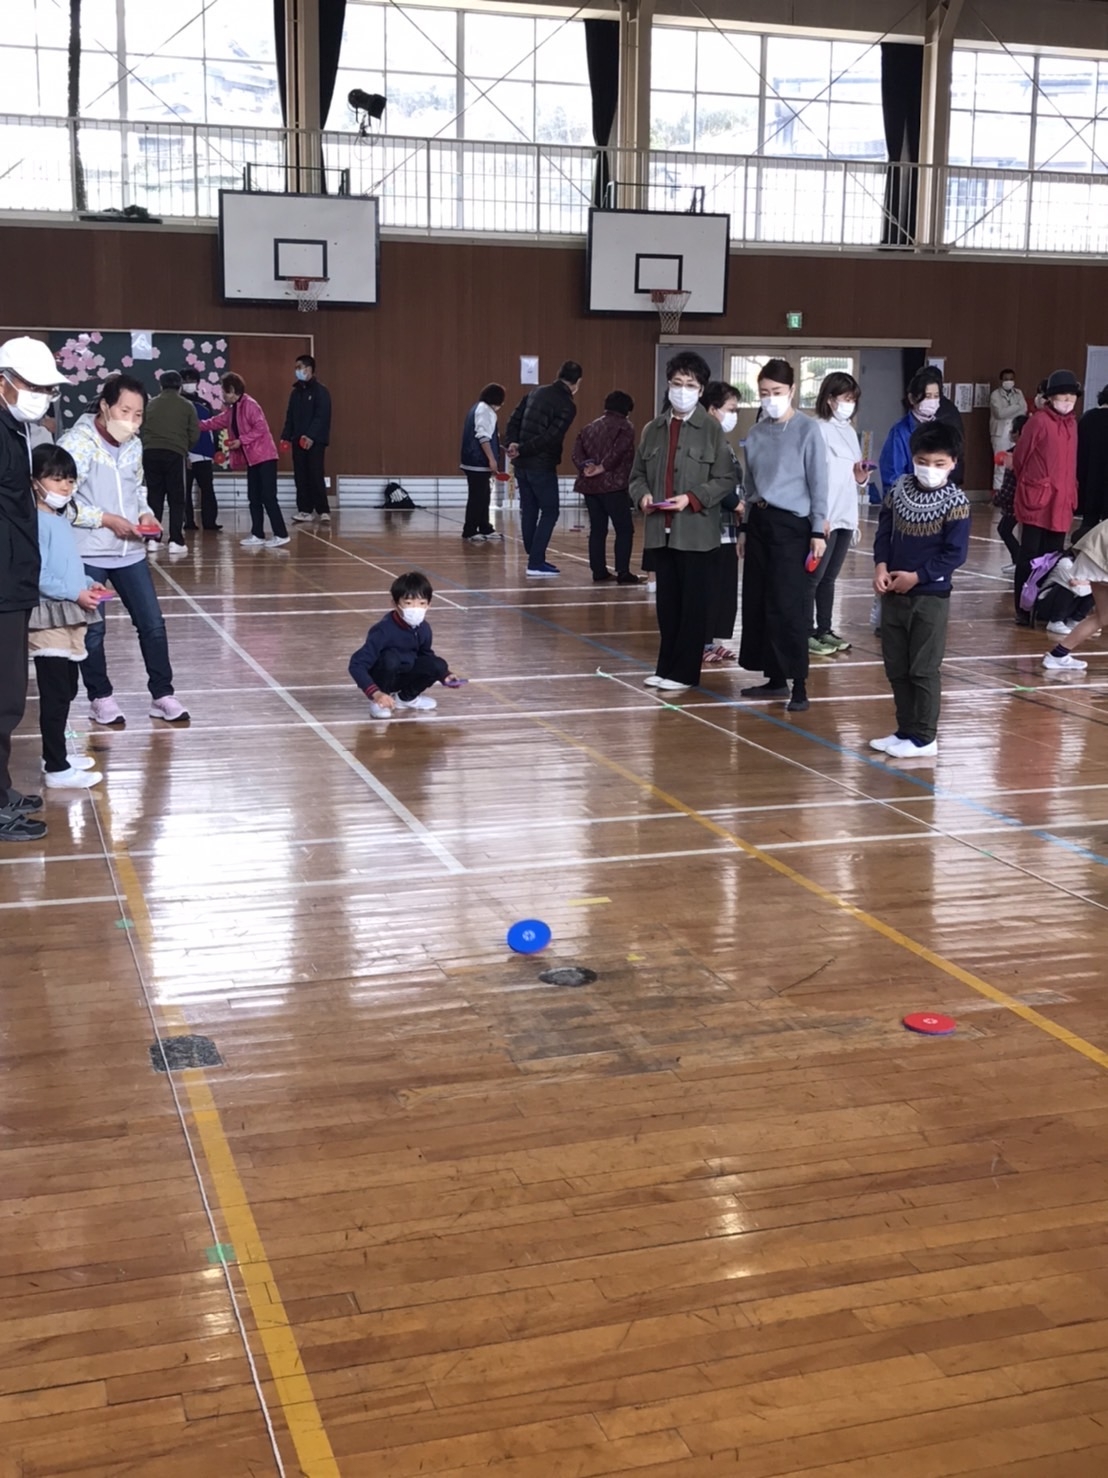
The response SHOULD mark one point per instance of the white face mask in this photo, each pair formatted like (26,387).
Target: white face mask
(1007,384)
(845,409)
(30,406)
(414,615)
(928,476)
(683,397)
(188,388)
(56,500)
(728,421)
(775,406)
(120,431)
(928,408)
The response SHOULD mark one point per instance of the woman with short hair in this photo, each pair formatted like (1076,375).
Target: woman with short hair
(480,461)
(254,451)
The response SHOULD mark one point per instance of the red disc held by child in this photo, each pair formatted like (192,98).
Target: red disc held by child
(930,1024)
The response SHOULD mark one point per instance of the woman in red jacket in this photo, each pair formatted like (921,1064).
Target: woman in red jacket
(1045,465)
(252,448)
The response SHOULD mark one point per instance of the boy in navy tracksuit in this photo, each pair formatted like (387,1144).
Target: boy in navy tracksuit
(922,538)
(396,664)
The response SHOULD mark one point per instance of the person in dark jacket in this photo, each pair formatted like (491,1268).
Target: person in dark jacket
(396,663)
(1045,464)
(603,454)
(536,436)
(28,382)
(169,428)
(480,461)
(1092,464)
(201,464)
(308,431)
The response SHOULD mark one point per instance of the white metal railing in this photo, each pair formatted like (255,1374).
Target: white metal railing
(176,171)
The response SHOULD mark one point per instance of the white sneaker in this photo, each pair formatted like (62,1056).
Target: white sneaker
(378,711)
(106,711)
(1059,628)
(278,542)
(169,709)
(302,517)
(652,587)
(905,749)
(668,685)
(885,745)
(72,779)
(422,702)
(177,548)
(325,518)
(78,762)
(1068,663)
(252,542)
(653,681)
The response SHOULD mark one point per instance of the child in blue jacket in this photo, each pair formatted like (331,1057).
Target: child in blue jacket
(396,664)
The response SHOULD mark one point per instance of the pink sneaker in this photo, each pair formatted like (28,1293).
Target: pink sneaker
(106,711)
(169,709)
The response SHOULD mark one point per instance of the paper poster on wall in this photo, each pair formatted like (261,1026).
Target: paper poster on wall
(528,369)
(939,363)
(981,396)
(946,388)
(142,344)
(963,397)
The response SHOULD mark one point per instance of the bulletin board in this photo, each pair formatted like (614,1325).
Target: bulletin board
(87,357)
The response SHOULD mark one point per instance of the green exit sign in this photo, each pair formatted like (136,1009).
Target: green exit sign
(794,321)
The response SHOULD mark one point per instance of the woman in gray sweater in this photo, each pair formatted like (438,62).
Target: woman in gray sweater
(786,524)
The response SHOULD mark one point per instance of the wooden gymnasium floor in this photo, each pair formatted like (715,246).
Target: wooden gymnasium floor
(716,1213)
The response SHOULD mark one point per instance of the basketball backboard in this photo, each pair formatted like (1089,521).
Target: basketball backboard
(266,240)
(632,253)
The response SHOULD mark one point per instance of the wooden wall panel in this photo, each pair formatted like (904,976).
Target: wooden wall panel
(455,315)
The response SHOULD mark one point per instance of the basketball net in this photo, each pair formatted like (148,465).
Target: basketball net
(670,306)
(306,290)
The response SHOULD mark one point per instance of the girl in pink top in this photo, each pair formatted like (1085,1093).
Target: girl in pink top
(252,448)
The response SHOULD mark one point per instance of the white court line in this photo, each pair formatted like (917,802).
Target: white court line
(381,570)
(62,902)
(395,805)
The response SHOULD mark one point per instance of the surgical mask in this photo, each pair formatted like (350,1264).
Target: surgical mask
(1062,410)
(414,615)
(188,388)
(120,431)
(928,408)
(301,374)
(683,397)
(775,406)
(728,421)
(845,409)
(1007,384)
(57,501)
(928,476)
(30,406)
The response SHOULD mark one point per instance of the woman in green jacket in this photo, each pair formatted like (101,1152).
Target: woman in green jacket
(684,465)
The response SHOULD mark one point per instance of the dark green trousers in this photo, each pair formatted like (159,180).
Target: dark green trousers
(913,641)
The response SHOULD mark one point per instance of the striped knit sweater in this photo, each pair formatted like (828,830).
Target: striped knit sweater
(924,531)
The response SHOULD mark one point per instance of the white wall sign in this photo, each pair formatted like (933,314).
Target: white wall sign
(528,369)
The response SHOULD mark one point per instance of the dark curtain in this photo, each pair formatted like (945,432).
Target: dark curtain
(332,15)
(602,51)
(901,98)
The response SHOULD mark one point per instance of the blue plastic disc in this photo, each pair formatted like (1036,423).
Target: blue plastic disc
(528,936)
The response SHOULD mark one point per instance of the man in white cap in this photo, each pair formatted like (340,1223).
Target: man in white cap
(28,382)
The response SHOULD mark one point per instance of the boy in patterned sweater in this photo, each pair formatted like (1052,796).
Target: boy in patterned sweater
(922,538)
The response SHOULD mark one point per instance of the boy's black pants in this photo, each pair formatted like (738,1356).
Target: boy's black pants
(913,643)
(407,682)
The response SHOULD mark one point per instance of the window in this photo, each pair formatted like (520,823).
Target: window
(811,371)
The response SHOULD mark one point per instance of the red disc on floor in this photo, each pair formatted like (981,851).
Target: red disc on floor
(930,1024)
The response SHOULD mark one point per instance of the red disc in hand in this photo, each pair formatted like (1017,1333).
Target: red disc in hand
(930,1024)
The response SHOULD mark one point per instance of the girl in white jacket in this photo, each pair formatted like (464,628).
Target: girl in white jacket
(846,476)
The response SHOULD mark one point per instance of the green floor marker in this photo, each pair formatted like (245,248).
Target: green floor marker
(124,923)
(222,1252)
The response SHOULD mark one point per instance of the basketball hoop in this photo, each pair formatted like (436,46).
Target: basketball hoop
(670,306)
(306,291)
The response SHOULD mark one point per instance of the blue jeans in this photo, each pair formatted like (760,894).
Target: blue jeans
(538,512)
(135,588)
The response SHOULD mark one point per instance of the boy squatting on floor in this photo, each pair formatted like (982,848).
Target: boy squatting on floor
(395,665)
(922,538)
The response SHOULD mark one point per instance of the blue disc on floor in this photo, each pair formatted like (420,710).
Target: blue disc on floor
(528,936)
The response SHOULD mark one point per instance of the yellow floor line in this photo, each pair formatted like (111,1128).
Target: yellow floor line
(870,921)
(305,1425)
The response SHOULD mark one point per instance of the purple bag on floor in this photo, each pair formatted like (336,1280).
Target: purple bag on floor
(1032,586)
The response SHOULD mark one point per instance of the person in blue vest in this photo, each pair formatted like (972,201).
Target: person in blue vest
(201,463)
(480,461)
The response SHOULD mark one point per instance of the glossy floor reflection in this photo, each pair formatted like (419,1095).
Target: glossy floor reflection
(715,1212)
